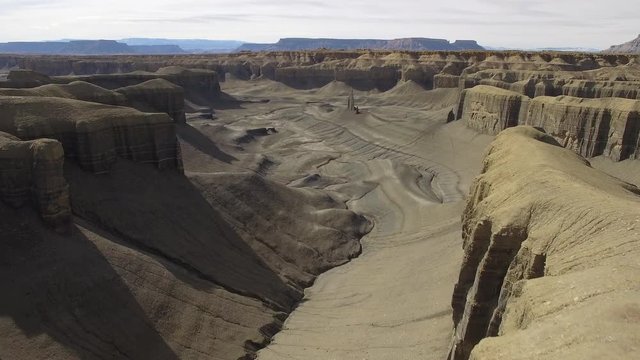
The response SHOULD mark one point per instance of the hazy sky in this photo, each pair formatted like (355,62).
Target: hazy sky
(511,23)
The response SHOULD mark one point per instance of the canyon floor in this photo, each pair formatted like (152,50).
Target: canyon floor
(165,214)
(401,165)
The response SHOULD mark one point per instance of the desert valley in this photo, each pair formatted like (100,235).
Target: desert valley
(320,204)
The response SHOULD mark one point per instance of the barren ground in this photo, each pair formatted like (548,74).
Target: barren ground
(398,163)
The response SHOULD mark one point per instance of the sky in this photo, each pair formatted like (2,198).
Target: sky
(496,23)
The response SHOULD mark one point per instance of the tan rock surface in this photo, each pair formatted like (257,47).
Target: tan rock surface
(93,134)
(279,186)
(490,110)
(550,263)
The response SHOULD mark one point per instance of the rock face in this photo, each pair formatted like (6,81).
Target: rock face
(95,135)
(550,257)
(381,78)
(631,47)
(32,172)
(590,127)
(441,81)
(156,95)
(78,90)
(531,74)
(22,78)
(489,109)
(199,86)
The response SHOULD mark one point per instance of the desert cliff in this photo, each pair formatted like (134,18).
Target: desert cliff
(546,272)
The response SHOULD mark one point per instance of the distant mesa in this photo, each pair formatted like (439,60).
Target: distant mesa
(631,47)
(145,46)
(86,47)
(188,45)
(292,44)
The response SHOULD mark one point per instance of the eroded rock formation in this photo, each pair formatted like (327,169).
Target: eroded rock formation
(491,110)
(550,257)
(606,126)
(630,47)
(156,95)
(590,127)
(78,90)
(31,172)
(95,135)
(531,74)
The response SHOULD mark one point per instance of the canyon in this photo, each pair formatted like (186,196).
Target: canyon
(478,205)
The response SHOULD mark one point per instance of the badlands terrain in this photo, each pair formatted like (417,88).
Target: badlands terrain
(478,205)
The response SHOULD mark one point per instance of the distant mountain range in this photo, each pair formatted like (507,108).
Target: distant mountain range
(559,49)
(292,44)
(631,47)
(198,46)
(86,47)
(187,46)
(120,47)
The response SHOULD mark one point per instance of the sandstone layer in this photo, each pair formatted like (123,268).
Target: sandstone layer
(550,266)
(156,95)
(490,110)
(300,229)
(31,172)
(154,264)
(591,127)
(78,90)
(95,135)
(528,73)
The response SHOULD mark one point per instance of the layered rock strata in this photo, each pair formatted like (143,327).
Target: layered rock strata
(78,90)
(95,135)
(156,95)
(31,172)
(591,127)
(546,272)
(489,109)
(531,74)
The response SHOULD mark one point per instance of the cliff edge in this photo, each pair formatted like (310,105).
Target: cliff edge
(550,267)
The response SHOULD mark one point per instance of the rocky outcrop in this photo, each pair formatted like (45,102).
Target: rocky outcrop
(550,257)
(442,81)
(22,78)
(631,47)
(546,83)
(31,172)
(381,78)
(78,90)
(156,95)
(200,86)
(531,74)
(489,109)
(94,135)
(597,89)
(590,127)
